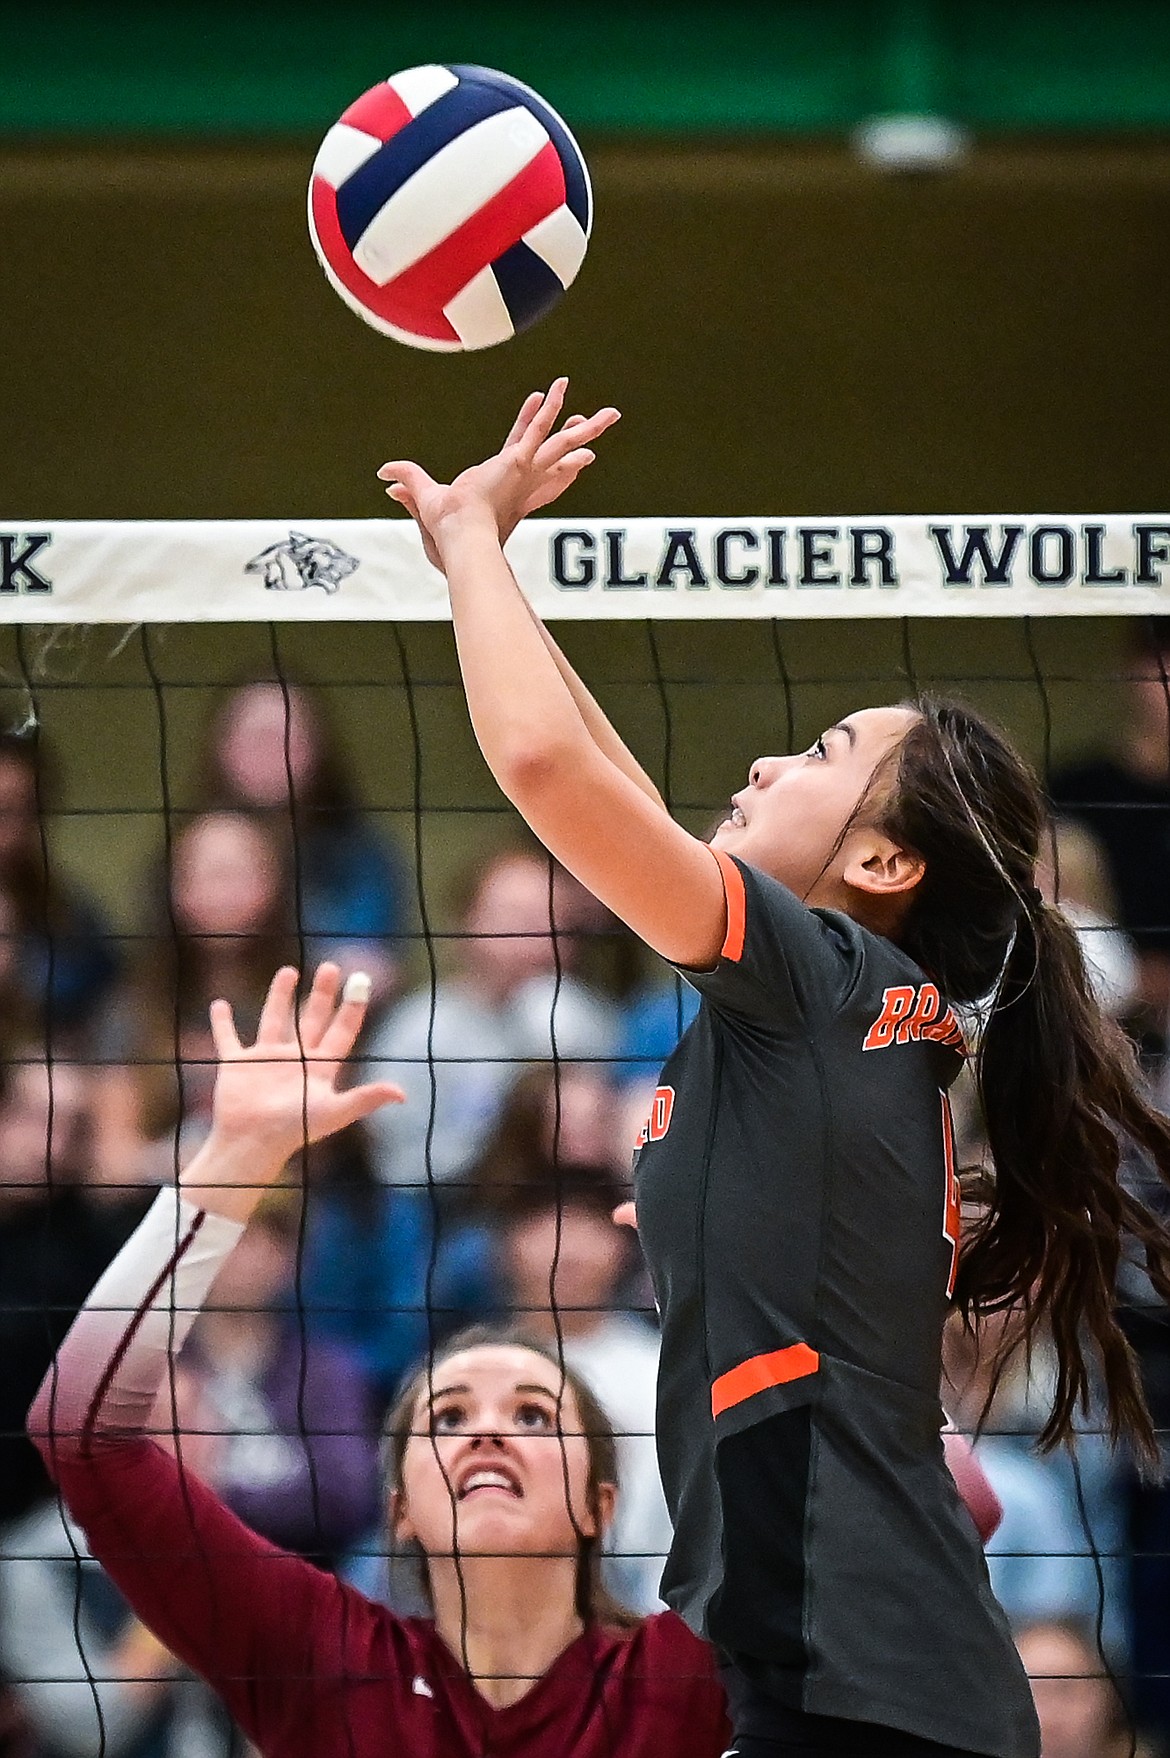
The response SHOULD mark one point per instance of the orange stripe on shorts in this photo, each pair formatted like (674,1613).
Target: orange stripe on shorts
(794,1363)
(732,947)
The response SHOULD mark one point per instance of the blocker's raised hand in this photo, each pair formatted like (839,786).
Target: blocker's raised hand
(273,1096)
(535,465)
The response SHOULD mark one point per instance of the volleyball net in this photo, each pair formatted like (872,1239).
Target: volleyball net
(230,743)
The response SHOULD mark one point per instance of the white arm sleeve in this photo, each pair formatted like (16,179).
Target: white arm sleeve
(114,1359)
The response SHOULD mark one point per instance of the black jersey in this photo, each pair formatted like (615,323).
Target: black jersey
(798,1205)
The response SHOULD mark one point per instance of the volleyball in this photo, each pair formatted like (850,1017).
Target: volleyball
(450,207)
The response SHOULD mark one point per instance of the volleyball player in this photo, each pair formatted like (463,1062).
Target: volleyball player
(796,1191)
(503,1481)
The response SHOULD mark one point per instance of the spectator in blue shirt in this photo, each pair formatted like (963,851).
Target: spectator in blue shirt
(380,1271)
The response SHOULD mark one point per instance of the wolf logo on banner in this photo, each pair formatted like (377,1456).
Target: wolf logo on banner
(302,562)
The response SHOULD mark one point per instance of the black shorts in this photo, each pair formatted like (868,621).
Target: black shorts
(767,1728)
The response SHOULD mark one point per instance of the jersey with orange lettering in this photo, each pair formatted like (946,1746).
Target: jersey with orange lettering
(798,1206)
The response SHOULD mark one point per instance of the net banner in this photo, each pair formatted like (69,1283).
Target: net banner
(373,570)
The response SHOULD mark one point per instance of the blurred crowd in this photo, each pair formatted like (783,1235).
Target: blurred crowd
(528,1042)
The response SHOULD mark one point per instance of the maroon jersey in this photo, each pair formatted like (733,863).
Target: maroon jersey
(308,1667)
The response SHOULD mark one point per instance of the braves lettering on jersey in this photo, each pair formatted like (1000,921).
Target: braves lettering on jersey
(800,1219)
(910,1013)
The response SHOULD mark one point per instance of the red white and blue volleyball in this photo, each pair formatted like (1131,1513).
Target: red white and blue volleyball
(450,207)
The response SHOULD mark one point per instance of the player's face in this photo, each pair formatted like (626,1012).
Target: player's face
(497,1460)
(790,818)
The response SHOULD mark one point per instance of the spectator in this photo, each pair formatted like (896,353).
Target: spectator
(553,1121)
(21,1019)
(606,955)
(1041,1558)
(550,1118)
(1080,1712)
(1074,876)
(65,955)
(53,1241)
(298,1460)
(653,1021)
(513,999)
(1123,797)
(563,1263)
(221,931)
(86,1674)
(380,1274)
(271,749)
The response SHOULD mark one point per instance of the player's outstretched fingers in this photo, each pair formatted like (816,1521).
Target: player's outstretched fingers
(223,1030)
(319,1004)
(411,476)
(523,420)
(358,1102)
(550,448)
(340,1034)
(545,419)
(277,1015)
(573,437)
(571,466)
(625,1215)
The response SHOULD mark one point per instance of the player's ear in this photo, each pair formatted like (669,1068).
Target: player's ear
(604,1507)
(881,867)
(401,1525)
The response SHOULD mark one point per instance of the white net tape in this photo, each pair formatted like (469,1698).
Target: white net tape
(372,570)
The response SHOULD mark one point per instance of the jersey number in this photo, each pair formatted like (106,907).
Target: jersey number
(952,1204)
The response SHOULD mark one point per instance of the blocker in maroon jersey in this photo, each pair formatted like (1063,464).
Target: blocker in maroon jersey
(309,1667)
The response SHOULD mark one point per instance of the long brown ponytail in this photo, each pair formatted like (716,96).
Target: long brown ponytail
(1058,1083)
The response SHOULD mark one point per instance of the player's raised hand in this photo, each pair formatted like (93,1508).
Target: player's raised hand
(281,1092)
(535,465)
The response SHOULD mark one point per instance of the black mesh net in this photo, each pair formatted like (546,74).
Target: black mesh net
(184,809)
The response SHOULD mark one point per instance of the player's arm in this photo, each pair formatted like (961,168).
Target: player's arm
(600,728)
(581,801)
(553,471)
(232,1607)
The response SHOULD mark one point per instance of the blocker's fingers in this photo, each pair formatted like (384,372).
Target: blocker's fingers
(359,1102)
(340,1034)
(521,424)
(223,1030)
(625,1215)
(276,1017)
(319,1004)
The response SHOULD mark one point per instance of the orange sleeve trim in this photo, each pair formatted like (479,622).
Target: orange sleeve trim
(777,1369)
(732,947)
